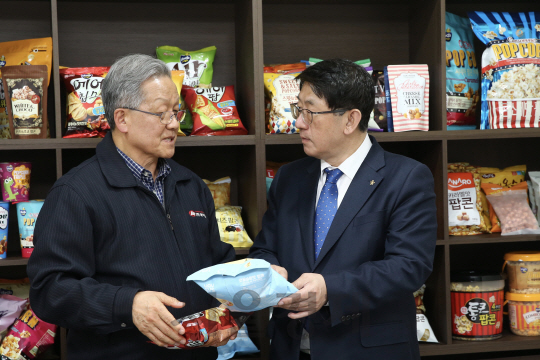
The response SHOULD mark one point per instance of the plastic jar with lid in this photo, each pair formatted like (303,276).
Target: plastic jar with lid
(524,313)
(523,268)
(477,304)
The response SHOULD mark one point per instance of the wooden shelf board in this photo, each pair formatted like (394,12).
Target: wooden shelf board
(508,342)
(13,261)
(492,134)
(490,238)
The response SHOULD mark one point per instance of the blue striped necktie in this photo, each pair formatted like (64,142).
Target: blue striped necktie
(326,208)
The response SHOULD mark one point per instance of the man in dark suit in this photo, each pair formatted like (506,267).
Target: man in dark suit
(352,225)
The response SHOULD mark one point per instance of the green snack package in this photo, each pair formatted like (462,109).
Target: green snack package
(364,63)
(186,125)
(198,64)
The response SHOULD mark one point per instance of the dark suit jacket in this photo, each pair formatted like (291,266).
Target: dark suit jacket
(378,251)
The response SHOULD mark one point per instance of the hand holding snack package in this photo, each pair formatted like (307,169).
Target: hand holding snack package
(84,107)
(244,285)
(214,111)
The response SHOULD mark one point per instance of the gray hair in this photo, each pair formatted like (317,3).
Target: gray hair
(121,87)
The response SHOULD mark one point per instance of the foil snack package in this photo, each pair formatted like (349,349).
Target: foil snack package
(244,285)
(27,214)
(198,64)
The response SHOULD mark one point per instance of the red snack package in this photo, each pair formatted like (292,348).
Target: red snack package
(210,327)
(84,107)
(28,337)
(214,111)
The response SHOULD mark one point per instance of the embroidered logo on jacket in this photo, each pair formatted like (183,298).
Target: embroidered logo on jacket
(193,213)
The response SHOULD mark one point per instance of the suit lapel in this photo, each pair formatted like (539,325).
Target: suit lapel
(366,180)
(307,191)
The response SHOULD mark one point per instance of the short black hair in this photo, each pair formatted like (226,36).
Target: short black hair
(343,84)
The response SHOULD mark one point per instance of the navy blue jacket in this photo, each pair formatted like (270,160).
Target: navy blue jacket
(101,237)
(378,251)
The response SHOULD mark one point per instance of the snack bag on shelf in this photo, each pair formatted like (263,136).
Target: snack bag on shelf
(22,52)
(514,212)
(379,122)
(28,337)
(232,281)
(27,215)
(389,119)
(535,181)
(178,79)
(16,287)
(466,214)
(507,177)
(221,191)
(365,63)
(84,107)
(214,111)
(510,84)
(409,89)
(462,78)
(10,309)
(231,226)
(424,332)
(281,90)
(198,64)
(25,90)
(490,189)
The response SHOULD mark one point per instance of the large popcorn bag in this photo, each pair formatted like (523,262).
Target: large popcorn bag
(510,84)
(244,285)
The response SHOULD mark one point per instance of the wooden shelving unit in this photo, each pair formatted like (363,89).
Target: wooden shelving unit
(248,34)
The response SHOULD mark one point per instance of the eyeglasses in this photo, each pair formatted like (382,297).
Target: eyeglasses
(165,117)
(295,110)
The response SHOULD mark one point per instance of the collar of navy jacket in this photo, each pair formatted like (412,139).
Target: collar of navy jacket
(358,193)
(118,174)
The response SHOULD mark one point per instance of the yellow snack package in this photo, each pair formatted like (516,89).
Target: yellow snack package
(22,52)
(231,226)
(178,79)
(508,177)
(221,191)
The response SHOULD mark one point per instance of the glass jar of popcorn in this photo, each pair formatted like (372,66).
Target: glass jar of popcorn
(523,269)
(477,305)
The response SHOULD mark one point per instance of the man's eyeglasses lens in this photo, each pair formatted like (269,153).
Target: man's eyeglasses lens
(295,112)
(168,116)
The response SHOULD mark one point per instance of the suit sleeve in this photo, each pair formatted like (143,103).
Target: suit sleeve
(408,257)
(265,244)
(63,291)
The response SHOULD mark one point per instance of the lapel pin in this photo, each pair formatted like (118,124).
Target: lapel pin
(372,182)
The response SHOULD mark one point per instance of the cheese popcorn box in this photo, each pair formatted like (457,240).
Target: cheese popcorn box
(510,81)
(244,285)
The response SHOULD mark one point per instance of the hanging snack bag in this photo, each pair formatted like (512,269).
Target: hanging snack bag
(22,52)
(514,212)
(281,90)
(231,226)
(178,79)
(28,337)
(84,107)
(462,78)
(379,111)
(25,89)
(409,89)
(198,64)
(214,111)
(221,191)
(510,84)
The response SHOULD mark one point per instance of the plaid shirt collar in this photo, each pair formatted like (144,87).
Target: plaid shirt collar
(145,176)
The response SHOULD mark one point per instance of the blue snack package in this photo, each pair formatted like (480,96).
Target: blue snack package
(244,285)
(389,120)
(462,77)
(510,90)
(242,345)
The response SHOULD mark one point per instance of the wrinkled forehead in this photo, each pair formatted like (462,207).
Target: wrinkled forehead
(159,89)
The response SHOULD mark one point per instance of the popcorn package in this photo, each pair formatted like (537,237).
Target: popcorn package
(209,327)
(22,52)
(510,84)
(25,89)
(221,191)
(462,78)
(409,91)
(84,107)
(281,90)
(231,226)
(244,285)
(15,177)
(214,111)
(379,112)
(28,337)
(198,64)
(27,214)
(424,332)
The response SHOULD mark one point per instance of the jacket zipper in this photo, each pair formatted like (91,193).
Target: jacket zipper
(160,205)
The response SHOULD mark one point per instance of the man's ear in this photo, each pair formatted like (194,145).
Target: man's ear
(121,120)
(353,120)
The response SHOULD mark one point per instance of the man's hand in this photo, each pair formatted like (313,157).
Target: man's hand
(223,338)
(280,270)
(310,297)
(153,319)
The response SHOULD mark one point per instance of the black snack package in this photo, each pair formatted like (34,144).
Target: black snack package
(379,111)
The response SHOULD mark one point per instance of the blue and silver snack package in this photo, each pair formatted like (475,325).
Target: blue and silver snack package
(462,78)
(244,285)
(510,83)
(27,214)
(242,345)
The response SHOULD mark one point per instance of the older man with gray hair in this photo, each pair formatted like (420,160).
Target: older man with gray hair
(115,240)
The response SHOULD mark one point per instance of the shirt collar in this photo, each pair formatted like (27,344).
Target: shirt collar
(351,165)
(140,172)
